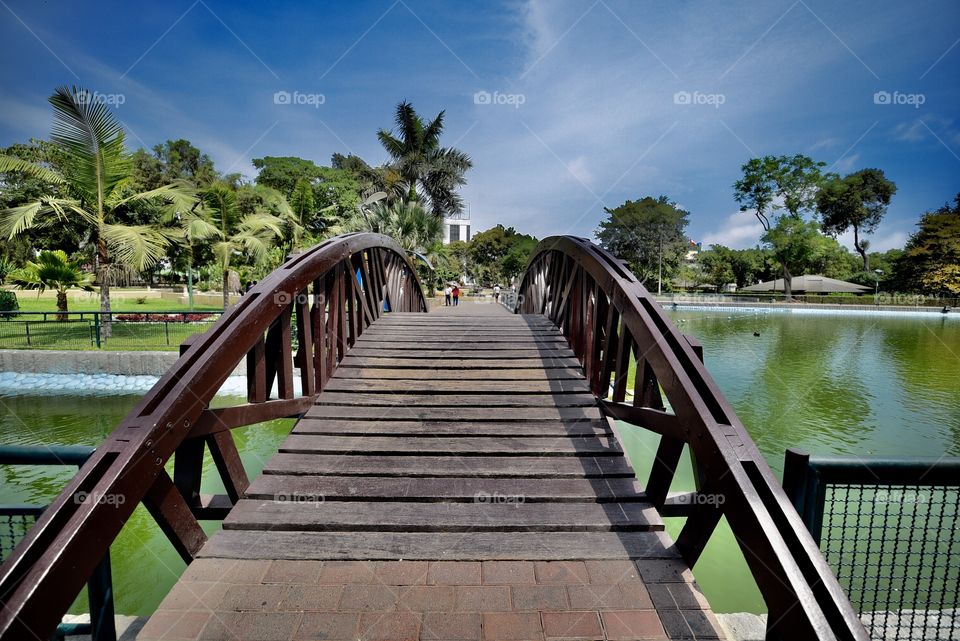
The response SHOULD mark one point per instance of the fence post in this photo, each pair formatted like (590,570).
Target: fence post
(96,327)
(27,325)
(166,332)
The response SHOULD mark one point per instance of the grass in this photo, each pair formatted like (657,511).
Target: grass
(30,303)
(81,335)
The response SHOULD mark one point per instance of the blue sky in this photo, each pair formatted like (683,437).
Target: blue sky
(591,102)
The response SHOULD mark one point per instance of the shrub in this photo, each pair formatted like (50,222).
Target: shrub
(8,302)
(142,300)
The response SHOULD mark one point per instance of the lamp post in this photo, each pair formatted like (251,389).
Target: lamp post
(876,289)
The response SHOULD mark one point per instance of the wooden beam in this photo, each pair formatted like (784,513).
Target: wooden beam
(175,518)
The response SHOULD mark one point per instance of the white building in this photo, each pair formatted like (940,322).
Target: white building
(456,227)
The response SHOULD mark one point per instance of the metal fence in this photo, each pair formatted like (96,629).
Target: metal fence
(890,529)
(154,330)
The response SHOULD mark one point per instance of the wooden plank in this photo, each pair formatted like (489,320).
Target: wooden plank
(433,354)
(452,362)
(411,398)
(482,546)
(546,429)
(442,517)
(290,463)
(455,414)
(504,445)
(465,489)
(473,375)
(420,386)
(465,344)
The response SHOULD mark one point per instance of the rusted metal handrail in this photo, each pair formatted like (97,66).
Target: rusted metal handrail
(353,278)
(610,320)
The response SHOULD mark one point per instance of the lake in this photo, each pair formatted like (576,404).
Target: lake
(830,384)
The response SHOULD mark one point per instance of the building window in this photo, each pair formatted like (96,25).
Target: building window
(454,233)
(468,233)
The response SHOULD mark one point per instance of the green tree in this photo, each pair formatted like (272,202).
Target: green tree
(931,259)
(94,175)
(172,161)
(794,242)
(649,235)
(779,183)
(857,201)
(428,169)
(716,266)
(499,254)
(53,270)
(239,229)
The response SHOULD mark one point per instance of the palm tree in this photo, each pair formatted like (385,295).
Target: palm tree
(236,232)
(52,270)
(95,173)
(423,164)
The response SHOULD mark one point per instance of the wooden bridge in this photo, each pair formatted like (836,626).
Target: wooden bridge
(452,475)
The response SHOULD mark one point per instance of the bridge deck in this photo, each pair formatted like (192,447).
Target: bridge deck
(455,480)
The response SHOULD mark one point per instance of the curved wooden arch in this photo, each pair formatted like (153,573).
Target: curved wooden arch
(610,319)
(330,294)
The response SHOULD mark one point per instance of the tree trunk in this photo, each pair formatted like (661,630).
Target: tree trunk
(103,269)
(226,283)
(860,250)
(787,285)
(62,304)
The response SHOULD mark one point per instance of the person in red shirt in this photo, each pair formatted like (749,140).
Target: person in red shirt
(456,295)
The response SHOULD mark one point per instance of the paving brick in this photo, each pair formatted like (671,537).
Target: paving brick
(252,597)
(450,627)
(664,571)
(305,598)
(572,625)
(195,595)
(454,573)
(628,625)
(690,624)
(391,626)
(512,626)
(627,596)
(610,572)
(561,572)
(483,598)
(508,572)
(427,598)
(330,626)
(672,596)
(401,572)
(342,572)
(284,571)
(244,571)
(174,625)
(251,626)
(539,597)
(369,598)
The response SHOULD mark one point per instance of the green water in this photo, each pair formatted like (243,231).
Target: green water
(829,384)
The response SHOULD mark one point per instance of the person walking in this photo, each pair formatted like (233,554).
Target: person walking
(496,293)
(456,295)
(446,295)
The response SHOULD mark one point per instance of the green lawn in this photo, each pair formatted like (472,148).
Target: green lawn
(30,303)
(81,335)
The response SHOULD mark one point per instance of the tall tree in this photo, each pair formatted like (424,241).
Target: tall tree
(239,230)
(649,234)
(931,259)
(95,173)
(428,169)
(857,201)
(779,183)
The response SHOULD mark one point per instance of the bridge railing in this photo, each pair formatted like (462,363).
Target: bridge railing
(329,294)
(645,372)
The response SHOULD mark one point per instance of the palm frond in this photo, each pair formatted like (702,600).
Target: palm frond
(136,246)
(11,163)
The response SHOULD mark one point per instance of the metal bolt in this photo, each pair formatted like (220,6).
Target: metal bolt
(159,461)
(148,443)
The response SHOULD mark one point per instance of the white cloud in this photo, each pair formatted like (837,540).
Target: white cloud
(739,231)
